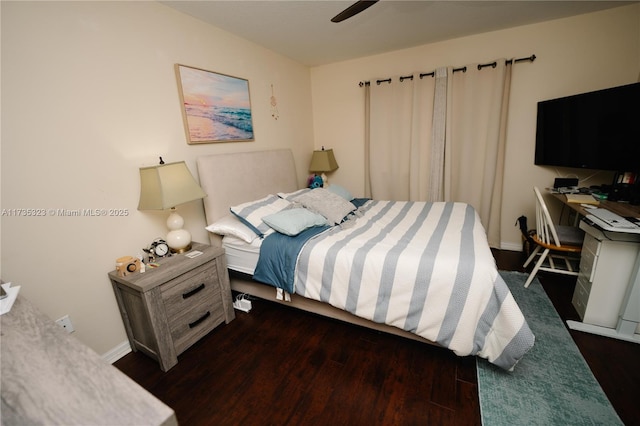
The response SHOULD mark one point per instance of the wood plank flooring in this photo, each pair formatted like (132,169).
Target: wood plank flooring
(277,366)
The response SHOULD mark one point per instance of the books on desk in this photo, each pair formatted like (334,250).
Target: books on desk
(582,199)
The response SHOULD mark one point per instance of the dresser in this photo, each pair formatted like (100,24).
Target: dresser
(167,309)
(606,267)
(48,377)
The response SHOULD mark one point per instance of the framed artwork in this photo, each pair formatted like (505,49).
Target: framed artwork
(215,107)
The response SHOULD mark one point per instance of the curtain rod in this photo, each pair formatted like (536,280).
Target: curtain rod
(463,69)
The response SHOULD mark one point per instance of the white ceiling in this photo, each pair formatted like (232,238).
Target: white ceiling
(302,30)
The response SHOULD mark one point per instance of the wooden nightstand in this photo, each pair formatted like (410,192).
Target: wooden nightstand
(167,309)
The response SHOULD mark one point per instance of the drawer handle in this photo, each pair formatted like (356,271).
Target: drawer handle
(199,320)
(192,292)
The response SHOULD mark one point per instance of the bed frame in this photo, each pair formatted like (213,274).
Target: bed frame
(231,179)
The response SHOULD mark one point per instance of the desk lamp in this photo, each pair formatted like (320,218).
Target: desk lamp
(164,187)
(323,161)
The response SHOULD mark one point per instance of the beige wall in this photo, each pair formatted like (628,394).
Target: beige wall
(574,55)
(89,95)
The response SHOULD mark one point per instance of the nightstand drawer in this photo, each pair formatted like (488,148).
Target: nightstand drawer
(193,305)
(193,289)
(188,329)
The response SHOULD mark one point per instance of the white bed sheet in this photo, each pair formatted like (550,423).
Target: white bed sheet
(241,256)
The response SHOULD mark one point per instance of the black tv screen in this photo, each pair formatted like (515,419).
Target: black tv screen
(597,130)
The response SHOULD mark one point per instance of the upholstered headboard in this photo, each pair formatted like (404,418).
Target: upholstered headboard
(230,179)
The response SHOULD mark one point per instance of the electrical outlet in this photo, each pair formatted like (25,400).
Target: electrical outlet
(65,322)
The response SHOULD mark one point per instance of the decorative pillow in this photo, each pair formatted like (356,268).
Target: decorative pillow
(339,190)
(326,203)
(290,195)
(251,213)
(231,225)
(291,222)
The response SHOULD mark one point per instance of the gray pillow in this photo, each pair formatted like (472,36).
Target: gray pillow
(326,203)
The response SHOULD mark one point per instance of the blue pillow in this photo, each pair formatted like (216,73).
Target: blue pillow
(339,190)
(291,222)
(252,212)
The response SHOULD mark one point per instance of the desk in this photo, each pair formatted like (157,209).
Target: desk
(607,293)
(49,377)
(623,209)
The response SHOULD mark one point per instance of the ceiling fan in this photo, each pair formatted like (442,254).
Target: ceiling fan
(354,9)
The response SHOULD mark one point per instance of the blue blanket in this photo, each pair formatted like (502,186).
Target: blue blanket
(278,255)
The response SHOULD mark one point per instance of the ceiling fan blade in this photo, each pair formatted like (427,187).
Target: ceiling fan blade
(354,9)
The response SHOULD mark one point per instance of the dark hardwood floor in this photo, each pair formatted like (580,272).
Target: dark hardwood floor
(277,365)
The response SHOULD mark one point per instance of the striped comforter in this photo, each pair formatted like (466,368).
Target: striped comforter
(423,267)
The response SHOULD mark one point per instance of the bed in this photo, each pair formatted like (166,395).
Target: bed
(419,270)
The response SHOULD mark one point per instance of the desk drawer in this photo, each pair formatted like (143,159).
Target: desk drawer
(588,261)
(587,269)
(581,296)
(591,244)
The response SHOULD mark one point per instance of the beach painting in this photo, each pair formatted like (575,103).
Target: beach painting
(215,107)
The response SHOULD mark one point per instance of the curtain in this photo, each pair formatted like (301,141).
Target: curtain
(440,139)
(477,117)
(398,141)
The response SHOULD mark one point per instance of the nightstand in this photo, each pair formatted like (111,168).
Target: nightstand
(167,309)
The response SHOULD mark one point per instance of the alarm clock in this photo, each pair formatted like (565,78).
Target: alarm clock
(158,248)
(161,249)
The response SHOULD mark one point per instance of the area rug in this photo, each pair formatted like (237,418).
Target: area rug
(552,384)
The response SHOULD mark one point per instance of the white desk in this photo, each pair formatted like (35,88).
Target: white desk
(607,294)
(608,272)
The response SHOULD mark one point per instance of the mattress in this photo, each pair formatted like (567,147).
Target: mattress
(241,256)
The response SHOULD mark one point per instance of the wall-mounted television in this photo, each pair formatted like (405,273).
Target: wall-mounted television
(597,130)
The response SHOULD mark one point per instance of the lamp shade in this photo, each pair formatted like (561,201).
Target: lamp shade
(323,161)
(167,185)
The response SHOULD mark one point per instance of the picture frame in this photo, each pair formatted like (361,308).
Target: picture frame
(215,107)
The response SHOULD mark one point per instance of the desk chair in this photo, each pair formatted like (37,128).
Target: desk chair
(560,245)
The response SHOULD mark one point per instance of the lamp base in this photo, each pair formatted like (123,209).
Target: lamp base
(178,239)
(181,250)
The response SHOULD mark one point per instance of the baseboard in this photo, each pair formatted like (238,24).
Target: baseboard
(118,352)
(510,246)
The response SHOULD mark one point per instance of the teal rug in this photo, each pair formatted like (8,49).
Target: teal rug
(552,384)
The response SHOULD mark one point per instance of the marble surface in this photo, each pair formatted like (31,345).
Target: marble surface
(49,377)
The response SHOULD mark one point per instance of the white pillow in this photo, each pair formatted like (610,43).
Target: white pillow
(252,212)
(332,206)
(291,195)
(291,222)
(231,225)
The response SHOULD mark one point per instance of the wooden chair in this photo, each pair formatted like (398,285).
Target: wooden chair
(557,247)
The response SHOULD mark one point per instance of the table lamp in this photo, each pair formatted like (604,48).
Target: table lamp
(164,187)
(323,161)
